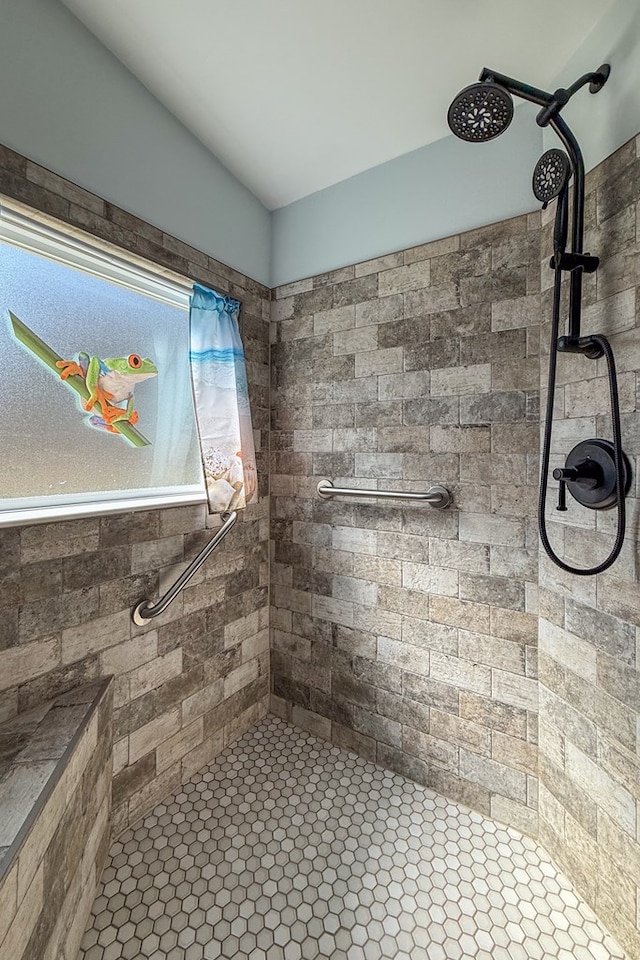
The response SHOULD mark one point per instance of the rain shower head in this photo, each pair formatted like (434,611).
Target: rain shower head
(483,110)
(480,112)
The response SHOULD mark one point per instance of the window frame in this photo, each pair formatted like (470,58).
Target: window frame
(34,232)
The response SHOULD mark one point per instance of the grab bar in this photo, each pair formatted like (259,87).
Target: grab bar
(437,496)
(146,610)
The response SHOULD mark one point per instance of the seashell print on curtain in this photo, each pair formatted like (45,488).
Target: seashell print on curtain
(221,396)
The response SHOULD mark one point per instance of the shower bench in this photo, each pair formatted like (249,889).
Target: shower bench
(55,806)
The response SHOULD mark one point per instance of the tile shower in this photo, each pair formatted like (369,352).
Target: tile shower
(429,671)
(442,646)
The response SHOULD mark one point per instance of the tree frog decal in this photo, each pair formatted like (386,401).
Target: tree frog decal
(110,383)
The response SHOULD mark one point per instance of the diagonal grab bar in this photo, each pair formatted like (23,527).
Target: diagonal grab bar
(437,496)
(146,610)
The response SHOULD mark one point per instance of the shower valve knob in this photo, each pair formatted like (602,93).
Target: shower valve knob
(562,496)
(563,474)
(589,475)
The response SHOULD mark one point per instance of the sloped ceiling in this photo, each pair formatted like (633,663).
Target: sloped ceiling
(295,95)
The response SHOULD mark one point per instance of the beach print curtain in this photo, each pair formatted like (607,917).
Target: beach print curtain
(221,395)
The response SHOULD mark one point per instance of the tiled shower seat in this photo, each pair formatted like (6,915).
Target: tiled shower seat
(55,804)
(287,847)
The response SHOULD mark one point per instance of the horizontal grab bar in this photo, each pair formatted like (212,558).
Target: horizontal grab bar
(146,610)
(437,496)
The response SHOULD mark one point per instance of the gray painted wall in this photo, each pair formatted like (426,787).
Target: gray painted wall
(604,122)
(446,187)
(71,106)
(74,108)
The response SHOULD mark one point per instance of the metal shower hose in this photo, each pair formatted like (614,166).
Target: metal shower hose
(546,445)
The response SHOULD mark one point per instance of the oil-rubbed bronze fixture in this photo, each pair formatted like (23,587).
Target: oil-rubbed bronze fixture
(590,475)
(597,473)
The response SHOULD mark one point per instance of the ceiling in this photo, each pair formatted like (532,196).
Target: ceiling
(295,95)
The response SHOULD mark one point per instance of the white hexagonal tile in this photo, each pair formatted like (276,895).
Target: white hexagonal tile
(287,848)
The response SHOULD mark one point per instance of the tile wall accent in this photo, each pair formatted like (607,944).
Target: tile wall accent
(407,634)
(195,678)
(50,874)
(589,627)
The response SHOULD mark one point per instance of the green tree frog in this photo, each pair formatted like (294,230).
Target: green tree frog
(110,383)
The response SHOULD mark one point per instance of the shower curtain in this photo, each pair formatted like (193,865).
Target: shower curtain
(221,397)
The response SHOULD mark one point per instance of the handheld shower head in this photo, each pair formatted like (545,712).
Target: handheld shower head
(480,112)
(551,175)
(550,180)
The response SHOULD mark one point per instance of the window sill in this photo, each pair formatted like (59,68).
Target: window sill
(20,512)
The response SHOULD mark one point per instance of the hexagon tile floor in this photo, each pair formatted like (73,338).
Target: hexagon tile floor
(288,848)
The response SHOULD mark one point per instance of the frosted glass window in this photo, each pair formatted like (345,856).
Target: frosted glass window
(53,458)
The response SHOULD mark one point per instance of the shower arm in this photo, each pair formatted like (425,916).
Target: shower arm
(517,88)
(549,116)
(551,103)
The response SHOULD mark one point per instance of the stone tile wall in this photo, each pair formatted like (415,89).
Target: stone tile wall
(50,875)
(195,678)
(404,633)
(589,627)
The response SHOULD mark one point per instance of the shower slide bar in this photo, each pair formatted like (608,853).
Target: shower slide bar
(436,496)
(145,610)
